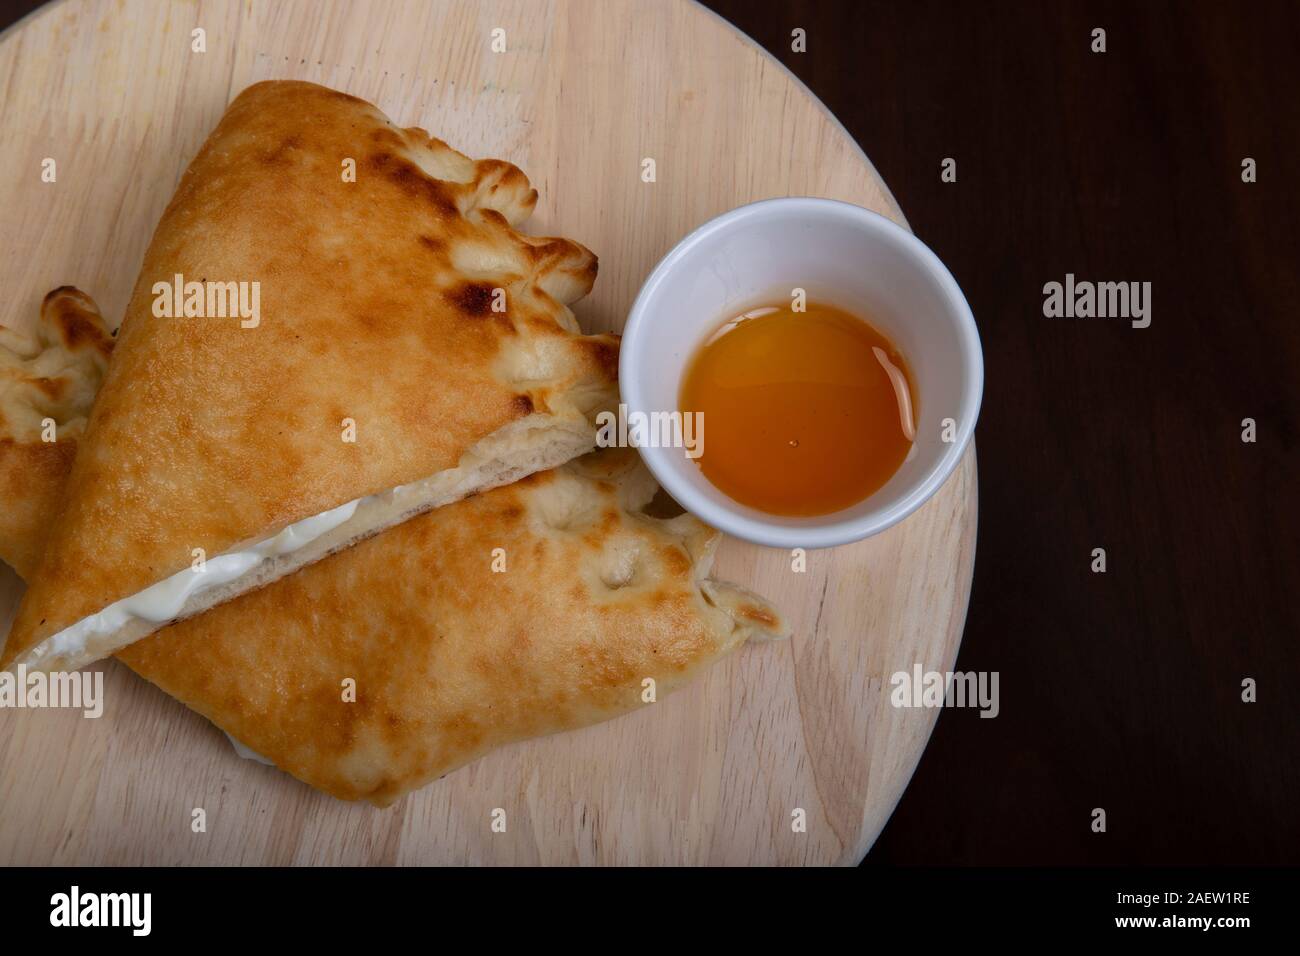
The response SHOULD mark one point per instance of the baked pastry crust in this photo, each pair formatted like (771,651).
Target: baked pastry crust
(376,306)
(454,647)
(49,375)
(451,657)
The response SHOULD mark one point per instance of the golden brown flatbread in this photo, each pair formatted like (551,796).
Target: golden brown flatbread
(533,608)
(376,318)
(385,666)
(48,380)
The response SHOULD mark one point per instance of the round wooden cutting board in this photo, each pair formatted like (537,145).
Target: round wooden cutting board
(115,92)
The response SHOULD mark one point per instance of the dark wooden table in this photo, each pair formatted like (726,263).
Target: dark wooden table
(1120,690)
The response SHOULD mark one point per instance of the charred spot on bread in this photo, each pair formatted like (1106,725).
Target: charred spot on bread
(413,181)
(472,298)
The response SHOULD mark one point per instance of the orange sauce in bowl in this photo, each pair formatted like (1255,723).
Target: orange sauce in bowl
(805,413)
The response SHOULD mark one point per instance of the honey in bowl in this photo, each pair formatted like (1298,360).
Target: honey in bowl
(805,413)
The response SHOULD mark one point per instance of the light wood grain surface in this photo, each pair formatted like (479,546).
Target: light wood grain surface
(585,90)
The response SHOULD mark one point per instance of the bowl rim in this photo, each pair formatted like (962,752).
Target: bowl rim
(834,532)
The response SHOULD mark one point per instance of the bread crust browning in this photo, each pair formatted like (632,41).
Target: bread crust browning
(452,653)
(211,435)
(51,375)
(451,658)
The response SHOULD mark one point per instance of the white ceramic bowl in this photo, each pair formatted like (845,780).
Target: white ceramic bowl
(837,253)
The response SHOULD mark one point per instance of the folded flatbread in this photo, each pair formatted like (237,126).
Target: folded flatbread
(542,606)
(336,327)
(549,604)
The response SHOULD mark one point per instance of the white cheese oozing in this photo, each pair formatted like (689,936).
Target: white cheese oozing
(163,601)
(170,598)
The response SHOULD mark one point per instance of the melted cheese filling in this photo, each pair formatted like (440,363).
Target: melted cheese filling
(162,602)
